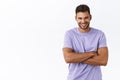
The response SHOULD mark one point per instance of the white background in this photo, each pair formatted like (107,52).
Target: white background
(32,31)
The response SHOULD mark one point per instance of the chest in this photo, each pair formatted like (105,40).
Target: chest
(85,43)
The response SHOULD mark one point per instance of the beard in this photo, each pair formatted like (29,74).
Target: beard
(84,26)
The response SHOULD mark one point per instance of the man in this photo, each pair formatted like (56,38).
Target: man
(85,48)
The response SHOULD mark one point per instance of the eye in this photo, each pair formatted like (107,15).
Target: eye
(80,18)
(86,17)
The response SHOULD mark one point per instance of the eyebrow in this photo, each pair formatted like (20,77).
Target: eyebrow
(83,17)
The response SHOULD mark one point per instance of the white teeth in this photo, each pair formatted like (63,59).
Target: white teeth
(83,24)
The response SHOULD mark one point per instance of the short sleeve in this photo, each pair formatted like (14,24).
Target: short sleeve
(102,41)
(67,40)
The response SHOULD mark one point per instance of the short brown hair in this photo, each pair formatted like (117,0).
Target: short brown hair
(82,8)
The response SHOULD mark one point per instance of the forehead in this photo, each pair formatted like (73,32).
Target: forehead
(82,14)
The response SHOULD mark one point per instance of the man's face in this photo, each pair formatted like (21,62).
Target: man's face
(83,20)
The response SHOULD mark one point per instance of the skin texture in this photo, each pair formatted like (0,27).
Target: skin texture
(93,58)
(83,19)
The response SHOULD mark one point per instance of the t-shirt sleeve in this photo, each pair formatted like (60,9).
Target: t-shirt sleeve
(102,41)
(67,41)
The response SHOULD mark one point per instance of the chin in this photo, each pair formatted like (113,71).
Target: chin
(84,28)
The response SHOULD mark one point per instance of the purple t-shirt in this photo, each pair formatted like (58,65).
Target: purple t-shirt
(84,42)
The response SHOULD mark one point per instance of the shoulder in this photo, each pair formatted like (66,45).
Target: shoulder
(98,31)
(71,31)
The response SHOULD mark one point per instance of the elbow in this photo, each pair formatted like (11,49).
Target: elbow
(104,63)
(67,60)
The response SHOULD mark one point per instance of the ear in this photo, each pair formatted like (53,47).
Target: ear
(76,18)
(90,17)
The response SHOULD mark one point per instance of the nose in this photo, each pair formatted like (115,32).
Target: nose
(83,20)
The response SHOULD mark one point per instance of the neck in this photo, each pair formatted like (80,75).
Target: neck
(84,31)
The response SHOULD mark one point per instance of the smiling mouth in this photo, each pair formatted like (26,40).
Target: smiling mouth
(84,25)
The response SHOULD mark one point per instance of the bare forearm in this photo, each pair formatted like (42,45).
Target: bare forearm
(101,59)
(95,61)
(78,57)
(73,57)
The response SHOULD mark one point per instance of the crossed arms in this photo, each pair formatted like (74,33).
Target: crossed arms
(93,58)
